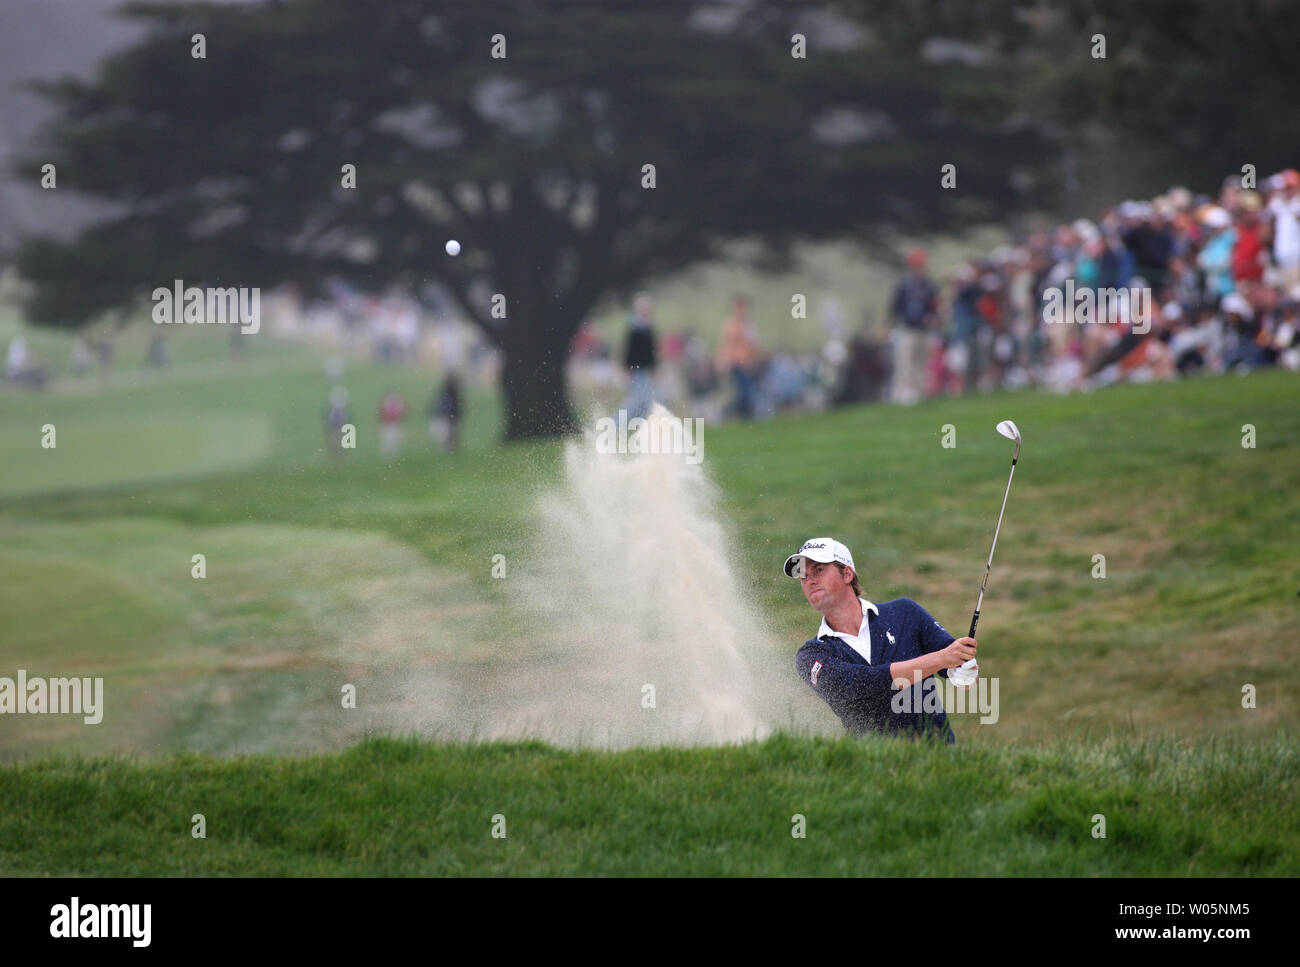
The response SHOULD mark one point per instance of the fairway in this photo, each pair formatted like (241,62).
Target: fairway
(374,562)
(378,575)
(94,451)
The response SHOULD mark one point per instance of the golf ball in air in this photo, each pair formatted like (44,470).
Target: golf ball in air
(453,247)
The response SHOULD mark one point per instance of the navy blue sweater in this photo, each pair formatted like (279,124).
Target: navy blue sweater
(863,695)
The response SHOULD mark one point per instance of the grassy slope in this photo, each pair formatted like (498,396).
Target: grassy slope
(880,807)
(1197,532)
(1199,599)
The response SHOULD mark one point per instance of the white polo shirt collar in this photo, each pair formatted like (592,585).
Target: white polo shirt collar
(861,642)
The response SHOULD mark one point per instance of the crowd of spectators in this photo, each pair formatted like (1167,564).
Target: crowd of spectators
(1184,284)
(1220,275)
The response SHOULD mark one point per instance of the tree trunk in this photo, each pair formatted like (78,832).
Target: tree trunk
(533,379)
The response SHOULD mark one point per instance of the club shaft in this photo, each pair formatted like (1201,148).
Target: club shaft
(974,621)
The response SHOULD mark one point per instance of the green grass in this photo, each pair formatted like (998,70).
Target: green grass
(96,450)
(1198,600)
(871,808)
(205,413)
(1119,695)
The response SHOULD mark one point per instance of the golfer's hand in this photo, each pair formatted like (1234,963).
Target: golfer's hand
(961,650)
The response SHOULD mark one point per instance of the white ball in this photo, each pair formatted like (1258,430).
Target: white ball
(453,247)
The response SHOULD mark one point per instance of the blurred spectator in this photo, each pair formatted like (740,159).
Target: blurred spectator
(783,382)
(1284,213)
(1229,191)
(21,366)
(452,355)
(392,412)
(81,360)
(586,342)
(832,313)
(1243,350)
(444,414)
(994,345)
(966,321)
(639,357)
(700,375)
(1215,259)
(675,345)
(337,415)
(1197,346)
(1148,360)
(16,358)
(1151,244)
(104,346)
(738,356)
(936,365)
(913,311)
(1065,372)
(1183,287)
(1248,256)
(1285,340)
(157,357)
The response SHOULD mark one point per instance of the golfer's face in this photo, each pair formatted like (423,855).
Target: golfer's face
(822,584)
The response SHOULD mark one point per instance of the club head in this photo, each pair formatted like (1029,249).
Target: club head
(1010,431)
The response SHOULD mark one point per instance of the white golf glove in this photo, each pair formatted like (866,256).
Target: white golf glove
(964,675)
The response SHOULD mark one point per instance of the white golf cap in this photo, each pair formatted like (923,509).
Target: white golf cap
(823,550)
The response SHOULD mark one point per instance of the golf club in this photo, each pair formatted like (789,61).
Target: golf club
(1011,432)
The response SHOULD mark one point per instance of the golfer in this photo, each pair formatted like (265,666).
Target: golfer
(866,656)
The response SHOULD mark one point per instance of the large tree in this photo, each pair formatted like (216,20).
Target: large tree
(228,170)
